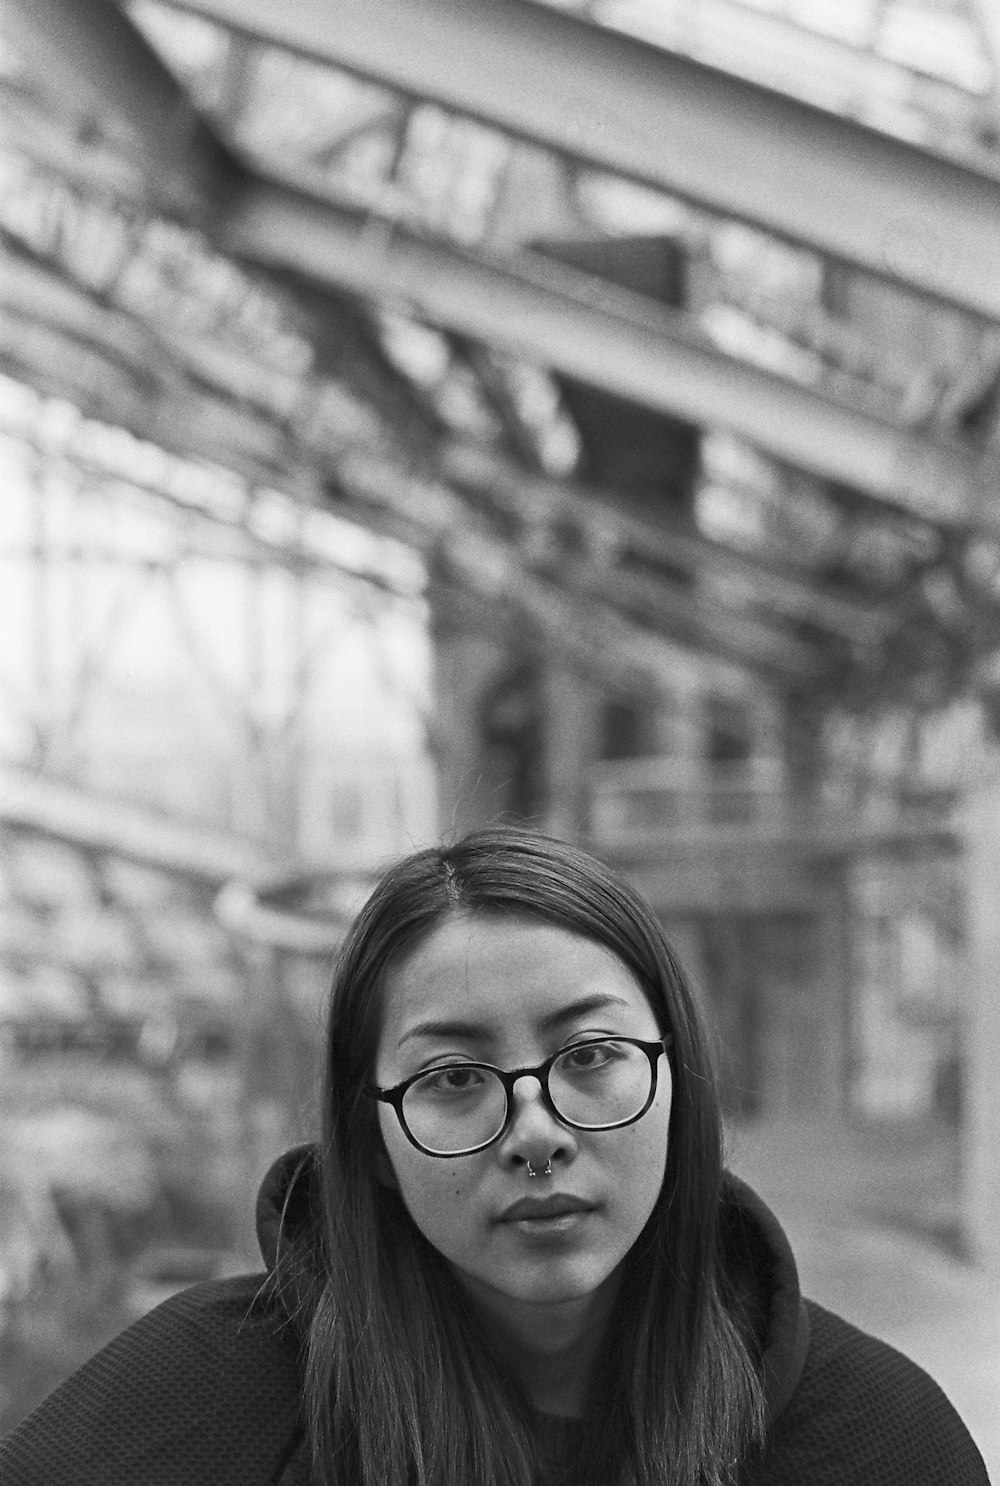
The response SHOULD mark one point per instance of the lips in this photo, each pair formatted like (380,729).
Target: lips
(536,1208)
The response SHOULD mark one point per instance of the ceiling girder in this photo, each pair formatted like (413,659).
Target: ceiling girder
(665,540)
(657,606)
(97,65)
(32,295)
(48,807)
(28,289)
(988,17)
(66,342)
(69,351)
(528,306)
(592,331)
(810,176)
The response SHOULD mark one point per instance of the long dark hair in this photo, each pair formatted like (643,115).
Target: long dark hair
(401,1385)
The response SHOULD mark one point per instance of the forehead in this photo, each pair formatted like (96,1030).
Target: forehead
(501,973)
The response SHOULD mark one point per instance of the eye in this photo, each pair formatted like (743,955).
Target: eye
(454,1078)
(589,1057)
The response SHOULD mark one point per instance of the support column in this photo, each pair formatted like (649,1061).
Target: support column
(832,1024)
(822,1038)
(515,730)
(459,662)
(569,748)
(981,1121)
(803,751)
(473,784)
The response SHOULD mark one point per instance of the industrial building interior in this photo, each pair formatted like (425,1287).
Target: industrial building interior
(591,408)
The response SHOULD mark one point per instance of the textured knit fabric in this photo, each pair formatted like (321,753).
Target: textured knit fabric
(865,1415)
(558,1442)
(204,1391)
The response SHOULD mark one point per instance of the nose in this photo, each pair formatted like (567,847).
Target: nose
(534,1135)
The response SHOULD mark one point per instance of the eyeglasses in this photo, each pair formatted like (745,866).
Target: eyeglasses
(455,1109)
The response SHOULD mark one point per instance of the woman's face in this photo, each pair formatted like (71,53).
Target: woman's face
(511,993)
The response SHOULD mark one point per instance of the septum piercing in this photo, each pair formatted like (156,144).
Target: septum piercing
(547,1171)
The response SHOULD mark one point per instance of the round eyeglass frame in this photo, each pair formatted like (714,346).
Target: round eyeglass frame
(509,1077)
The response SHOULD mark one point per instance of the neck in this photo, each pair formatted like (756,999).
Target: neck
(551,1349)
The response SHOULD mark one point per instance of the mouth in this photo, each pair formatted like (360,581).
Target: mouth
(545,1210)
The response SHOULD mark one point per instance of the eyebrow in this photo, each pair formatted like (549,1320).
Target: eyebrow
(473,1031)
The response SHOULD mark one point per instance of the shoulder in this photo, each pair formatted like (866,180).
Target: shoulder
(862,1414)
(204,1389)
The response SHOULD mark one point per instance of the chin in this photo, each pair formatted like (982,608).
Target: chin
(558,1284)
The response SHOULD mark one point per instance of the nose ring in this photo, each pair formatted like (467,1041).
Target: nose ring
(546,1172)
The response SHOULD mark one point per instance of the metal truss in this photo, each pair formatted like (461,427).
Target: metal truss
(245,416)
(72,699)
(809,176)
(538,504)
(216,395)
(630,567)
(604,336)
(51,810)
(600,636)
(386,493)
(529,307)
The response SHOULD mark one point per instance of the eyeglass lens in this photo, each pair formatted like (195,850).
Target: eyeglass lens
(593,1086)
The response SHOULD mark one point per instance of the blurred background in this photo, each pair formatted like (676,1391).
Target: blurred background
(419,415)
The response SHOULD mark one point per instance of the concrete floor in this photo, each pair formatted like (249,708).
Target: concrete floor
(870,1219)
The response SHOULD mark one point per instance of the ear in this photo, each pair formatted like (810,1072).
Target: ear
(384,1173)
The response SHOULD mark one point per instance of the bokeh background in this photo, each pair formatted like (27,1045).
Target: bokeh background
(419,415)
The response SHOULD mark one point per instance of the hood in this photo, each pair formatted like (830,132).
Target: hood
(759,1261)
(765,1279)
(285,1202)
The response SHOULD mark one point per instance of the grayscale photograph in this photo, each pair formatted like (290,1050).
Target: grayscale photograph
(499,742)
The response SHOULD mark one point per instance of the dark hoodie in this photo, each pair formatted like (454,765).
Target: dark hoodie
(205,1390)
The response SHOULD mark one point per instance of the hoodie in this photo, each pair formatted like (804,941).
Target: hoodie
(205,1389)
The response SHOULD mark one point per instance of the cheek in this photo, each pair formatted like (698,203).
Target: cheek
(664,1102)
(431,1191)
(650,1153)
(439,1207)
(404,1168)
(649,1150)
(386,1160)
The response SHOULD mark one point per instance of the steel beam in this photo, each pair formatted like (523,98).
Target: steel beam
(591,330)
(981,1019)
(85,818)
(69,351)
(65,342)
(33,297)
(528,306)
(988,17)
(529,499)
(99,66)
(657,607)
(812,177)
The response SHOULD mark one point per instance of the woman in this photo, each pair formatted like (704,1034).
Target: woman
(514,1255)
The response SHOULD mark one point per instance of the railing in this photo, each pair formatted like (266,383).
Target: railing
(651,800)
(642,806)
